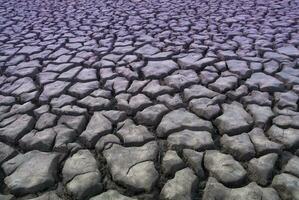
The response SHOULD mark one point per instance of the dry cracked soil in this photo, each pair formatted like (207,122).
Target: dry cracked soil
(149,99)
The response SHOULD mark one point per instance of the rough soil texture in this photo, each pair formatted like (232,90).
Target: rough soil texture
(154,99)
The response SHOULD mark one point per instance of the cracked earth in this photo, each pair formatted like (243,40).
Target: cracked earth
(155,99)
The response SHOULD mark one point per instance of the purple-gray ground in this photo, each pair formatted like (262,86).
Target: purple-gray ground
(154,99)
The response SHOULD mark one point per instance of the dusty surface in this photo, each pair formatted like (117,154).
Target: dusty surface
(178,99)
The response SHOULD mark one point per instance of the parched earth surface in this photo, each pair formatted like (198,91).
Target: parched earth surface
(153,99)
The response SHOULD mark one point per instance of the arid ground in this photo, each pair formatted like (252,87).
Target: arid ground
(149,99)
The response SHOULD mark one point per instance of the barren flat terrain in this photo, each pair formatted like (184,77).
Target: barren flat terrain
(149,99)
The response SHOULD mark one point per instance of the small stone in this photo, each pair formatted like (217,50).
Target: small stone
(20,125)
(38,140)
(181,78)
(92,185)
(276,56)
(137,86)
(132,134)
(181,186)
(172,102)
(7,197)
(207,77)
(101,93)
(288,137)
(62,100)
(171,163)
(154,88)
(257,97)
(262,115)
(132,104)
(261,169)
(151,115)
(118,84)
(18,87)
(46,77)
(31,172)
(82,168)
(201,63)
(205,108)
(97,127)
(107,73)
(115,116)
(215,190)
(256,66)
(198,91)
(48,195)
(292,166)
(6,100)
(195,161)
(284,121)
(239,67)
(286,185)
(182,119)
(64,136)
(127,72)
(239,146)
(111,195)
(265,83)
(70,110)
(53,90)
(234,119)
(29,49)
(82,89)
(224,83)
(77,123)
(228,54)
(133,166)
(87,74)
(159,69)
(221,65)
(289,50)
(70,74)
(189,60)
(24,69)
(22,108)
(271,67)
(106,142)
(286,100)
(46,120)
(239,92)
(41,110)
(147,50)
(224,167)
(262,144)
(138,102)
(6,152)
(197,140)
(79,163)
(95,103)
